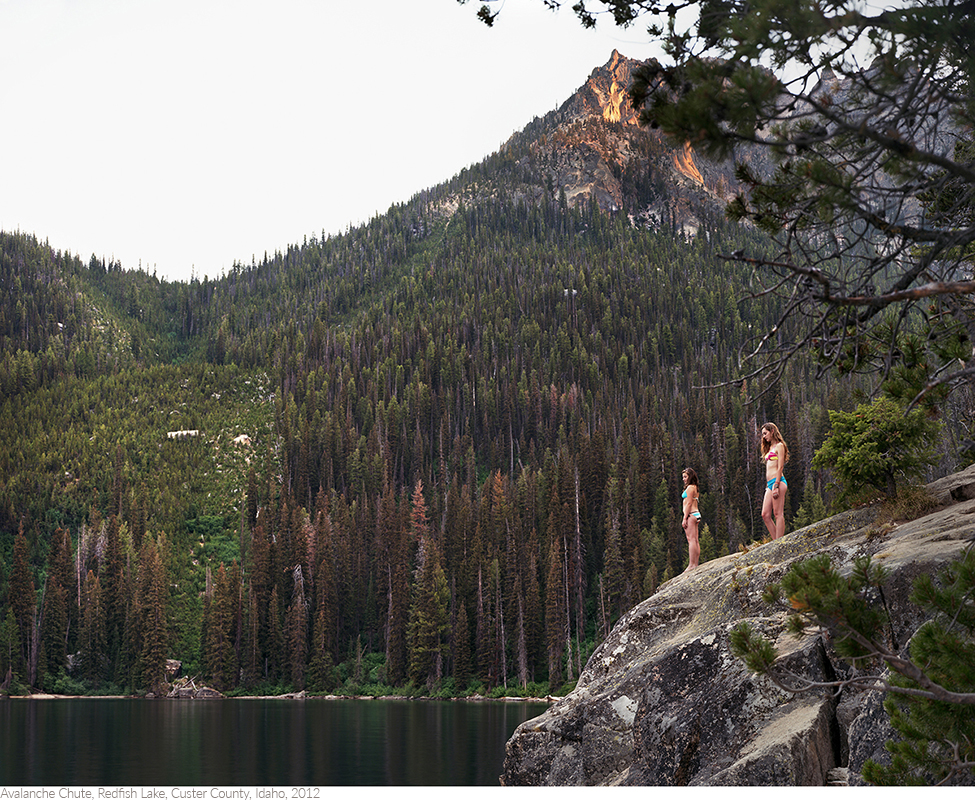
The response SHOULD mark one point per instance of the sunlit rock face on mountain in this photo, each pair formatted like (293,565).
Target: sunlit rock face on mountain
(598,151)
(605,93)
(593,149)
(684,161)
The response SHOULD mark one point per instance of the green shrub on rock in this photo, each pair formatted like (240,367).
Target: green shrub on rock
(877,445)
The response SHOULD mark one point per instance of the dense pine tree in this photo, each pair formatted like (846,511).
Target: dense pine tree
(20,593)
(153,647)
(93,641)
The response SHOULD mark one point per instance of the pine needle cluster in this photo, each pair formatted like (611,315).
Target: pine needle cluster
(930,688)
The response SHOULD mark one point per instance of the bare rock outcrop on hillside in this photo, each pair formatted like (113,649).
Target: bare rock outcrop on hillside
(592,149)
(664,702)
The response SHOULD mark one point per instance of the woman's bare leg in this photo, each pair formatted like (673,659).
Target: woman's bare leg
(693,545)
(767,504)
(778,505)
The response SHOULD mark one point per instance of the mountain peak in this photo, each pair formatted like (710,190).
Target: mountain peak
(605,92)
(593,149)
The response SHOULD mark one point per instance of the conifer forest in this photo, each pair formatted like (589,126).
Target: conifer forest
(437,453)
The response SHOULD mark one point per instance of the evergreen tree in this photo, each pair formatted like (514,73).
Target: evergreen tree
(461,647)
(812,509)
(429,617)
(707,544)
(930,695)
(534,613)
(274,655)
(296,633)
(56,615)
(323,646)
(20,598)
(556,624)
(111,579)
(320,669)
(261,585)
(397,607)
(879,443)
(9,649)
(54,628)
(221,658)
(938,727)
(484,633)
(92,638)
(613,579)
(152,609)
(252,661)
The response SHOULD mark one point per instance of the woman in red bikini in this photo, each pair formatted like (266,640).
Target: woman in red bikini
(775,453)
(692,517)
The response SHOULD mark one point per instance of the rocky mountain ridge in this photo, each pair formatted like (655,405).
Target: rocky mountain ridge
(592,149)
(663,701)
(600,117)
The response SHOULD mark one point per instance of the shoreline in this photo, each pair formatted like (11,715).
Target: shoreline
(477,698)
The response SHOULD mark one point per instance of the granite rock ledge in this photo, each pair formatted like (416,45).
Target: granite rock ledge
(663,702)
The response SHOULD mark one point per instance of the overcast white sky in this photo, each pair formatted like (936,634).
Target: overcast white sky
(183,136)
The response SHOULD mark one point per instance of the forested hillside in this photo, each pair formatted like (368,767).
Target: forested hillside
(439,452)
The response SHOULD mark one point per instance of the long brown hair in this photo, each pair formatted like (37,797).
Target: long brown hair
(691,477)
(776,439)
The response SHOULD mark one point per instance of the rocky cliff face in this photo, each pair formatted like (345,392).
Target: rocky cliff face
(604,94)
(663,701)
(596,150)
(592,149)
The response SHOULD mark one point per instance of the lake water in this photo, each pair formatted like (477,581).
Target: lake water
(255,742)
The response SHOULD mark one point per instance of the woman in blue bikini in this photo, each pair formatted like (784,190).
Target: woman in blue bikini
(775,453)
(692,517)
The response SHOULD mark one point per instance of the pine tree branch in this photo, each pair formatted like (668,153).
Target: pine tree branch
(930,689)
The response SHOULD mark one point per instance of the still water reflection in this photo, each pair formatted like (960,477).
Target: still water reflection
(126,742)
